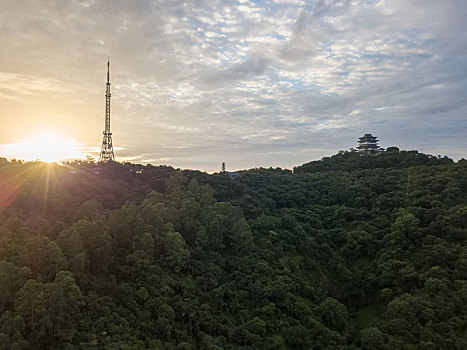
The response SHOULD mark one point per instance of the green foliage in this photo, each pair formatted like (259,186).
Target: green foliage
(392,158)
(372,338)
(350,252)
(333,314)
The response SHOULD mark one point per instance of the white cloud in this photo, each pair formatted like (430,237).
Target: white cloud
(289,2)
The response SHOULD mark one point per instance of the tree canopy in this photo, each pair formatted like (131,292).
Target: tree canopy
(350,252)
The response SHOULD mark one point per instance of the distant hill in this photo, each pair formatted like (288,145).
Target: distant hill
(391,158)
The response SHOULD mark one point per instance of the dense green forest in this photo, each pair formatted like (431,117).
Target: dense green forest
(350,252)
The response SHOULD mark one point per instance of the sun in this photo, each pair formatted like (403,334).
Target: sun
(46,147)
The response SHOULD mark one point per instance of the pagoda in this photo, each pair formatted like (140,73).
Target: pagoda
(368,144)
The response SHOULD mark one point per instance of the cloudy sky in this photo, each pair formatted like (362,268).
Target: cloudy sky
(249,83)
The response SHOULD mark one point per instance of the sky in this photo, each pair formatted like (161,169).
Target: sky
(273,83)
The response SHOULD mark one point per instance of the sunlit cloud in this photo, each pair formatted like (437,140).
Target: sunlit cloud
(45,147)
(21,84)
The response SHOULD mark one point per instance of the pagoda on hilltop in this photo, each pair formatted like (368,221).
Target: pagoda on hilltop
(368,144)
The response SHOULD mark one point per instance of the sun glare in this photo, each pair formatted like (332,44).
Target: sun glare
(44,147)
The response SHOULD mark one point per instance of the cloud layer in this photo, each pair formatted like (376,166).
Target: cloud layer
(251,83)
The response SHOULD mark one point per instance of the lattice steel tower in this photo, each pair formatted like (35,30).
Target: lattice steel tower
(107,151)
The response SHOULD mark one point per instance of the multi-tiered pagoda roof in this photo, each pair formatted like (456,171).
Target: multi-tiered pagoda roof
(368,144)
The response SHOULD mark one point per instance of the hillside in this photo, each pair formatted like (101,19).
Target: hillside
(349,252)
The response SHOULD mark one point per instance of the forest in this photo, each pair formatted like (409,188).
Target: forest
(349,252)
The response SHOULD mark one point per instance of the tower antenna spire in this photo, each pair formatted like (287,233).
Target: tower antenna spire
(107,151)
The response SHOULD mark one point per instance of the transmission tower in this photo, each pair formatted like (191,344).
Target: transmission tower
(107,151)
